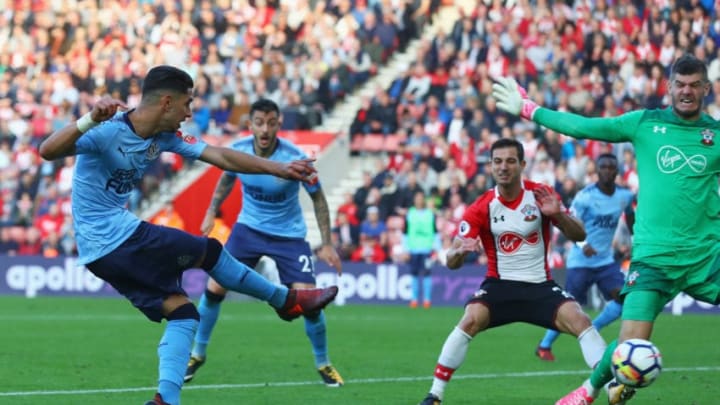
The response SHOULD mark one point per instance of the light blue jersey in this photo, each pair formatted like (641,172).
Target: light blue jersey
(600,213)
(271,204)
(111,160)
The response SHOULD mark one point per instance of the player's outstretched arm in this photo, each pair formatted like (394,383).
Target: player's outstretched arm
(511,97)
(61,143)
(222,190)
(327,251)
(460,249)
(235,161)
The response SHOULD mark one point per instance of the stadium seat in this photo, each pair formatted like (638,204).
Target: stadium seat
(373,143)
(391,143)
(356,143)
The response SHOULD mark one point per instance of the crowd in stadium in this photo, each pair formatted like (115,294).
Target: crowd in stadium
(57,58)
(597,58)
(593,58)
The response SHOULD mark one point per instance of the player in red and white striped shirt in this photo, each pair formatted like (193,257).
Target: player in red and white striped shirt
(513,223)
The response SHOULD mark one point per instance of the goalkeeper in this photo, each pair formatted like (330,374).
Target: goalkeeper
(677,229)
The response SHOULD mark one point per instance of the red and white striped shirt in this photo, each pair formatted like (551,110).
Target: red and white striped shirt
(514,234)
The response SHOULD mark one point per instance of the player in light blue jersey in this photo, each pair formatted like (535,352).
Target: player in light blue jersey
(599,206)
(145,262)
(270,224)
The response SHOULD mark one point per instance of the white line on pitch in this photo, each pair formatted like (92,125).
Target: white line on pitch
(525,374)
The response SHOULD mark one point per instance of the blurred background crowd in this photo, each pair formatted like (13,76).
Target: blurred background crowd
(596,58)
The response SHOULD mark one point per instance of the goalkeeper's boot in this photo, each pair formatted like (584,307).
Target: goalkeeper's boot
(193,365)
(544,354)
(330,376)
(578,397)
(306,301)
(619,394)
(431,399)
(158,400)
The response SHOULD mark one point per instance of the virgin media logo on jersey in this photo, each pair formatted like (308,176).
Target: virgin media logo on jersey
(510,242)
(671,160)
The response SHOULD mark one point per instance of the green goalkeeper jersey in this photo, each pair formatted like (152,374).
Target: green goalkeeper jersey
(678,161)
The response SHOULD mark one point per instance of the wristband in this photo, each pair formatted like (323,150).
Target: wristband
(85,122)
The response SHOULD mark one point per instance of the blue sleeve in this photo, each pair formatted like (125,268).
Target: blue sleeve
(296,153)
(185,145)
(312,186)
(94,140)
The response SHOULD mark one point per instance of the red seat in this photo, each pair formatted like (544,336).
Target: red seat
(373,143)
(391,143)
(356,144)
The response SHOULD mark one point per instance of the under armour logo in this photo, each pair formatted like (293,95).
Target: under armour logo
(657,129)
(501,218)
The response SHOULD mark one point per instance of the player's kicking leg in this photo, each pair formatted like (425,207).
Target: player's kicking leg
(288,303)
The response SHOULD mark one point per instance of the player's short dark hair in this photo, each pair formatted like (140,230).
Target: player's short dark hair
(607,156)
(687,65)
(165,77)
(508,143)
(264,105)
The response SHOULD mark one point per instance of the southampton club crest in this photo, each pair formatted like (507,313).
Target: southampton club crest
(530,212)
(707,137)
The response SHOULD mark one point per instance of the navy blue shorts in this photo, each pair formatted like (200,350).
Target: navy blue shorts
(608,278)
(511,301)
(292,255)
(148,266)
(419,264)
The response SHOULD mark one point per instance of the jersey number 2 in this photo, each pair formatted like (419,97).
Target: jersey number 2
(306,263)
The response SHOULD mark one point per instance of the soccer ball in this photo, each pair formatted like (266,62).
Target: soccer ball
(636,363)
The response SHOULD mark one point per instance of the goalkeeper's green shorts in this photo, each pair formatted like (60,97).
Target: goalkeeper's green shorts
(648,288)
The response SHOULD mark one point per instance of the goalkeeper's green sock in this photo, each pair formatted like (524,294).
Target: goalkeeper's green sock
(602,374)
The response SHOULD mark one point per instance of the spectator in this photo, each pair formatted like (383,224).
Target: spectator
(369,252)
(349,209)
(8,245)
(373,228)
(31,245)
(345,236)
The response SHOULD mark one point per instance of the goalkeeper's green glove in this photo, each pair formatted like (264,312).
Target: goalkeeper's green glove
(511,97)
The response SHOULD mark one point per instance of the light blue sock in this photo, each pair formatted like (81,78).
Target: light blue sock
(316,332)
(236,276)
(549,339)
(611,312)
(174,354)
(415,286)
(209,311)
(427,288)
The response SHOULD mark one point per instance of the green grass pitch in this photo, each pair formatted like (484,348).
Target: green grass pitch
(81,351)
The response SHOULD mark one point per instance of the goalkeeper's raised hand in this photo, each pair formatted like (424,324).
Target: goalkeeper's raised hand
(511,97)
